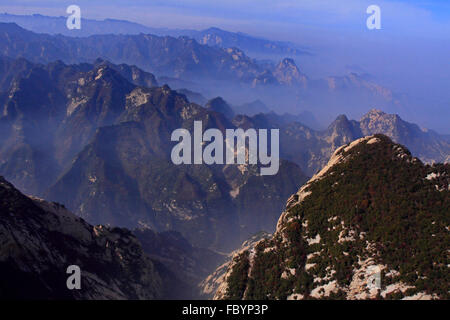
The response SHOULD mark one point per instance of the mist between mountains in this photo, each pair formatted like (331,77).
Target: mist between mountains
(233,147)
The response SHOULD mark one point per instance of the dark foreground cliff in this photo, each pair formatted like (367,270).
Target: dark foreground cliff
(39,240)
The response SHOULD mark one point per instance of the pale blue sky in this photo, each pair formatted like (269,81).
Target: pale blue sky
(410,17)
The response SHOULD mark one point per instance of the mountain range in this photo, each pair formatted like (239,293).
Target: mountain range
(327,245)
(311,149)
(180,57)
(95,138)
(214,37)
(358,208)
(184,63)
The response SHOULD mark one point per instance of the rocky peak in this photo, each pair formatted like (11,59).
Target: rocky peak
(375,115)
(377,121)
(288,63)
(105,72)
(236,53)
(287,72)
(219,105)
(340,122)
(142,103)
(132,73)
(166,89)
(329,248)
(342,131)
(336,158)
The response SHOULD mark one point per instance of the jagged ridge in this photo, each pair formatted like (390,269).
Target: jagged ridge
(373,208)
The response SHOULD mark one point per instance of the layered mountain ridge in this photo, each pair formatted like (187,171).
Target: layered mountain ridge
(84,123)
(125,176)
(212,36)
(180,57)
(184,63)
(92,139)
(50,112)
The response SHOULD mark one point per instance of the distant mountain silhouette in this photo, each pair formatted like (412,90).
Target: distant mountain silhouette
(211,36)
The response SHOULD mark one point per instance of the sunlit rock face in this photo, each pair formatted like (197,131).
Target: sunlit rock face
(345,233)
